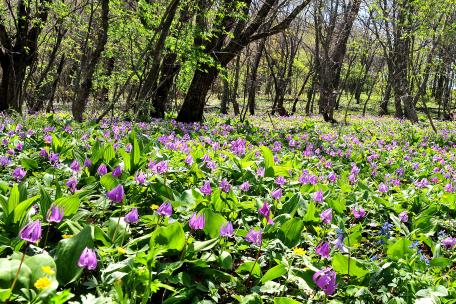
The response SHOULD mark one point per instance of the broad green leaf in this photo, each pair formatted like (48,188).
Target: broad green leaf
(283,300)
(344,265)
(291,232)
(213,222)
(400,249)
(14,198)
(250,267)
(268,157)
(171,237)
(70,204)
(67,254)
(274,273)
(21,210)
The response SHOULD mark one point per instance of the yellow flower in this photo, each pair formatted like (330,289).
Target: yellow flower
(48,270)
(67,236)
(42,283)
(299,251)
(121,250)
(154,207)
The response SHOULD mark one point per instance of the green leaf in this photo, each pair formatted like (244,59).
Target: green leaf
(29,164)
(290,232)
(14,198)
(8,270)
(268,157)
(283,300)
(274,273)
(21,210)
(70,204)
(351,266)
(226,260)
(248,267)
(204,245)
(108,181)
(440,262)
(171,237)
(67,254)
(109,153)
(399,250)
(213,222)
(45,202)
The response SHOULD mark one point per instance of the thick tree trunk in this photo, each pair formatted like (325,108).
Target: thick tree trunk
(193,107)
(254,75)
(225,97)
(82,95)
(385,99)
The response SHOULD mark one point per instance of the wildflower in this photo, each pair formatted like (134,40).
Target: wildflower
(326,216)
(47,139)
(31,232)
(72,183)
(245,186)
(332,177)
(254,237)
(403,216)
(67,236)
(299,251)
(318,196)
(326,280)
(196,222)
(280,181)
(226,230)
(449,242)
(382,188)
(4,161)
(165,209)
(140,178)
(206,188)
(132,216)
(265,210)
(54,158)
(277,194)
(42,283)
(260,171)
(48,270)
(88,259)
(449,188)
(75,166)
(225,186)
(360,213)
(323,249)
(189,160)
(116,194)
(55,214)
(117,171)
(19,173)
(384,230)
(339,242)
(102,170)
(87,162)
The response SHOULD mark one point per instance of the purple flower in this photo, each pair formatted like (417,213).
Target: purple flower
(102,170)
(225,186)
(339,242)
(132,216)
(75,166)
(280,181)
(226,230)
(326,216)
(260,171)
(360,213)
(43,153)
(189,160)
(206,188)
(382,188)
(403,216)
(117,171)
(55,214)
(323,249)
(165,209)
(116,194)
(128,148)
(4,161)
(140,178)
(326,280)
(54,158)
(265,210)
(318,196)
(48,139)
(88,259)
(72,184)
(161,167)
(449,188)
(196,222)
(245,186)
(19,173)
(87,162)
(332,177)
(449,242)
(254,237)
(19,147)
(277,194)
(31,232)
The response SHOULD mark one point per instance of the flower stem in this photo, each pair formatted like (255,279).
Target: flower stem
(254,264)
(18,270)
(117,225)
(47,234)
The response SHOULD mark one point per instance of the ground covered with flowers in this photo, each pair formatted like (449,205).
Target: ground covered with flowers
(289,211)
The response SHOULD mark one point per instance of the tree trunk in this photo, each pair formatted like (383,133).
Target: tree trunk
(225,96)
(253,76)
(80,100)
(385,99)
(193,107)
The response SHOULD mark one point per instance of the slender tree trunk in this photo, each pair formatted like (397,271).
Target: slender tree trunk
(252,86)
